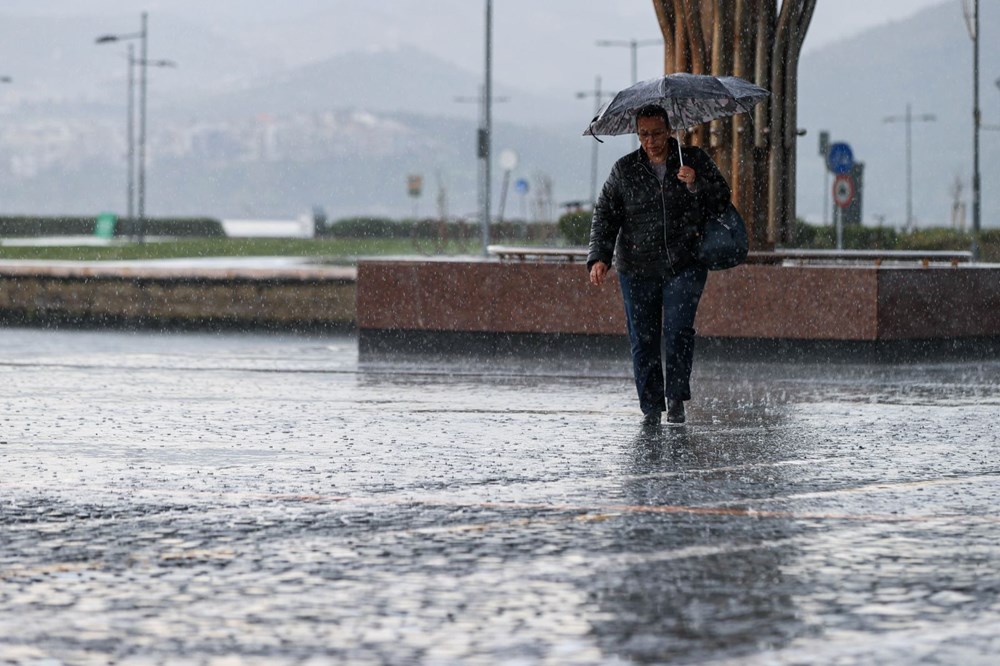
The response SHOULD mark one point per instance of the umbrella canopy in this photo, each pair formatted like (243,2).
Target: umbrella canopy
(689,99)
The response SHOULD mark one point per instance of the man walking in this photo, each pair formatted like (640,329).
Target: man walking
(647,221)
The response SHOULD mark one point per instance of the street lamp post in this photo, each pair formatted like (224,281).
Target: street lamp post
(132,61)
(144,63)
(480,137)
(129,125)
(598,96)
(909,119)
(633,45)
(141,199)
(824,149)
(976,119)
(483,132)
(972,23)
(6,79)
(486,137)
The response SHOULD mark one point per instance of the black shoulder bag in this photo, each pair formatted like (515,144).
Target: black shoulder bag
(724,243)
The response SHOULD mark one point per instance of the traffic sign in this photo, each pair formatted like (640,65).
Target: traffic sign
(508,159)
(105,226)
(521,186)
(414,184)
(843,190)
(840,158)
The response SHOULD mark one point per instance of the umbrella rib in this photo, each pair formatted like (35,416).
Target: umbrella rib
(688,99)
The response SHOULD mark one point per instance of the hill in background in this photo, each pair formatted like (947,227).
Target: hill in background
(851,87)
(344,132)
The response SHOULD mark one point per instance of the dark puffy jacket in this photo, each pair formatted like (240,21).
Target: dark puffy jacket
(652,228)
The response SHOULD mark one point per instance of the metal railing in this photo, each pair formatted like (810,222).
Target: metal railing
(786,257)
(876,257)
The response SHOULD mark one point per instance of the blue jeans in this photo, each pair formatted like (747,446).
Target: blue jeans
(659,311)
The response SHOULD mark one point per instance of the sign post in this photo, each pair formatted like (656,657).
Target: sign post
(843,195)
(521,187)
(840,160)
(414,186)
(508,162)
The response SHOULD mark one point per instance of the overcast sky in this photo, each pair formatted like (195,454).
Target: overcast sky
(544,50)
(834,19)
(837,19)
(540,45)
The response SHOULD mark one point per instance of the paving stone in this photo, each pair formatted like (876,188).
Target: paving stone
(248,499)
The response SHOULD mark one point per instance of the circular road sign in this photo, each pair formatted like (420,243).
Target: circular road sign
(521,186)
(840,158)
(843,190)
(508,160)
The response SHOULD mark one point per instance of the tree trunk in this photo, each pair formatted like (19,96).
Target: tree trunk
(796,38)
(764,18)
(776,171)
(721,131)
(758,40)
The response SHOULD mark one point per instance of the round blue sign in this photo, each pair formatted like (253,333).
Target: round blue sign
(840,159)
(521,186)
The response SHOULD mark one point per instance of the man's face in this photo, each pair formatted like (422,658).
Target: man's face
(653,135)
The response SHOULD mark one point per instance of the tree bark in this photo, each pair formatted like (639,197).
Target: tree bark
(776,171)
(696,35)
(758,40)
(799,27)
(723,56)
(741,160)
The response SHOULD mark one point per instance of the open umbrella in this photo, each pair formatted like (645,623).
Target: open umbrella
(689,99)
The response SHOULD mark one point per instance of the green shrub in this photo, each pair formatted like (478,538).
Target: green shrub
(934,239)
(857,237)
(369,227)
(193,227)
(575,227)
(15,226)
(542,232)
(989,245)
(813,237)
(823,237)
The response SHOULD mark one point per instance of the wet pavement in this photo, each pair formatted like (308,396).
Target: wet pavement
(228,499)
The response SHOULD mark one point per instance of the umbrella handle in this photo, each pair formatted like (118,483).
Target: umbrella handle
(679,154)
